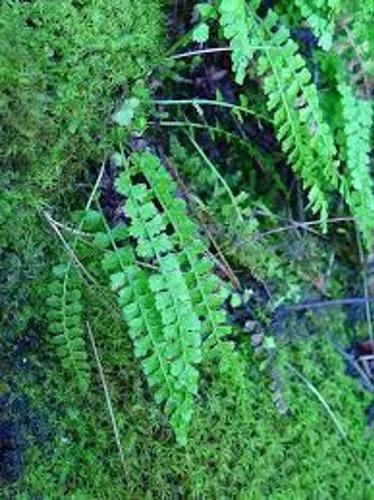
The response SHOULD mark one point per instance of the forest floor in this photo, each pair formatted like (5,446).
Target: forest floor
(302,425)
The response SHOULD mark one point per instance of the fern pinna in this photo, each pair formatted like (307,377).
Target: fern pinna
(170,298)
(320,16)
(357,186)
(65,316)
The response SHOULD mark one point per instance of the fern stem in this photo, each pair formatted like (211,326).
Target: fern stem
(209,102)
(304,225)
(70,250)
(216,172)
(215,50)
(212,128)
(365,286)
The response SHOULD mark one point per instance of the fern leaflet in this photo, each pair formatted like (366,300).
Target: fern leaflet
(236,28)
(357,185)
(320,15)
(65,313)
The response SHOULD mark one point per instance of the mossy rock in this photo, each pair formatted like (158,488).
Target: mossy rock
(63,65)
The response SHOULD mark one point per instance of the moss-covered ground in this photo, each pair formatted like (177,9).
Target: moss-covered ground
(64,67)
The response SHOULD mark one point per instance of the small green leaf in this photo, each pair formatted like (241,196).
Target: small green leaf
(235,300)
(201,33)
(206,10)
(126,113)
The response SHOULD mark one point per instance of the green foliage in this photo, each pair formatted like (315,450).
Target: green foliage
(180,228)
(320,15)
(237,28)
(239,240)
(207,290)
(305,136)
(360,34)
(162,361)
(62,65)
(65,317)
(238,444)
(170,297)
(358,184)
(301,127)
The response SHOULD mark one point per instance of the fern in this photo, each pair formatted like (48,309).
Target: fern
(293,99)
(157,306)
(236,28)
(320,16)
(357,186)
(170,297)
(207,290)
(173,300)
(145,328)
(305,136)
(65,315)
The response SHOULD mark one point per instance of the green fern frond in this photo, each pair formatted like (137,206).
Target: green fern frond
(357,188)
(65,314)
(320,16)
(236,28)
(156,302)
(305,136)
(160,362)
(168,292)
(148,227)
(207,290)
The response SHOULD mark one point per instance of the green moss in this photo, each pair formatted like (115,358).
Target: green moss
(63,65)
(240,446)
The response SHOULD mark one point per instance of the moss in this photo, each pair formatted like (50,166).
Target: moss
(63,65)
(239,445)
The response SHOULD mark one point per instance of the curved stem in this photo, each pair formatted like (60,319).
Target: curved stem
(209,102)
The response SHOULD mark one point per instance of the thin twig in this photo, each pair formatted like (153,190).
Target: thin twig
(350,359)
(333,417)
(211,128)
(320,304)
(107,398)
(209,102)
(68,229)
(215,50)
(191,53)
(303,225)
(69,249)
(217,174)
(96,185)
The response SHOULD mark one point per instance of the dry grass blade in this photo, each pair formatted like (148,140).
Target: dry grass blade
(107,397)
(333,417)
